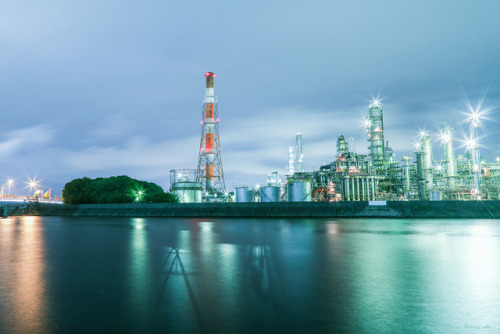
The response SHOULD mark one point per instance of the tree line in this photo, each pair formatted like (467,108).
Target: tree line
(115,189)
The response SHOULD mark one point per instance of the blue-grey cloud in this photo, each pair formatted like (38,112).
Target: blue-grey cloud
(92,88)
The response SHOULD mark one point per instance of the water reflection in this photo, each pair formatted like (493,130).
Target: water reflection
(175,266)
(140,272)
(261,273)
(188,276)
(22,281)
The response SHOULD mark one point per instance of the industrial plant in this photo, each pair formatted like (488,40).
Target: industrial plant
(351,176)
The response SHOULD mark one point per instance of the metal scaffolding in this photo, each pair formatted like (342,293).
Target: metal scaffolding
(210,173)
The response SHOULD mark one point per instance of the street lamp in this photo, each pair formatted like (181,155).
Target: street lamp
(10,182)
(33,184)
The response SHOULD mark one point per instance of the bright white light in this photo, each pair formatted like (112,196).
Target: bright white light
(439,167)
(375,103)
(470,143)
(422,133)
(475,118)
(366,123)
(417,146)
(32,184)
(446,137)
(477,114)
(10,181)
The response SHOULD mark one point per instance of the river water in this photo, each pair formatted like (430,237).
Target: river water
(248,276)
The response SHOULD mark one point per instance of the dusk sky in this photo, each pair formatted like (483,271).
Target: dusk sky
(103,88)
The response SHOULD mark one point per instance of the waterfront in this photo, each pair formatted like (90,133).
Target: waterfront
(64,274)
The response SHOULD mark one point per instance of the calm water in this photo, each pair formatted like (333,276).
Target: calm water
(248,276)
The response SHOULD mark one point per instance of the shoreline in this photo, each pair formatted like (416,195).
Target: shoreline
(357,209)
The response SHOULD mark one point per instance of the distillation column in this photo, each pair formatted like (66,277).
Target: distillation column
(376,134)
(449,155)
(474,152)
(300,155)
(291,161)
(421,175)
(341,146)
(210,173)
(406,169)
(426,145)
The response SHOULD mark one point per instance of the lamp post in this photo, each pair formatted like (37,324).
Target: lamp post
(10,182)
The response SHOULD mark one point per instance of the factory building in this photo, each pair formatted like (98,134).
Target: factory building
(379,176)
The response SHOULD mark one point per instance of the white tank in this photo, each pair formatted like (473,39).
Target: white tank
(269,194)
(435,195)
(299,190)
(188,192)
(244,194)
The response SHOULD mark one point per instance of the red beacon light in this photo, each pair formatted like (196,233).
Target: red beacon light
(207,74)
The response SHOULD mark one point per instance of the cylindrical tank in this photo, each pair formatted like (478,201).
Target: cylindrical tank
(188,192)
(270,194)
(299,190)
(435,195)
(244,194)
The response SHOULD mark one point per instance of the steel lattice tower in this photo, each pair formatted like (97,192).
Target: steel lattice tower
(210,173)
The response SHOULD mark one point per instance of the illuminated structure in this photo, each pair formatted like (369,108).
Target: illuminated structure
(449,155)
(376,176)
(426,147)
(341,146)
(291,161)
(375,127)
(300,154)
(473,146)
(379,176)
(210,173)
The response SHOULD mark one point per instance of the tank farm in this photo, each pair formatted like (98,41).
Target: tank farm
(376,176)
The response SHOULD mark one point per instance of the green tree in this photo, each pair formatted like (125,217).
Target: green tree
(115,189)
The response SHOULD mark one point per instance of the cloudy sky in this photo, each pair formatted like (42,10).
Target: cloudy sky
(102,88)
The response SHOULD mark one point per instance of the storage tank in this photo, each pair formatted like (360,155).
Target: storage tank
(435,195)
(188,192)
(270,194)
(299,190)
(244,194)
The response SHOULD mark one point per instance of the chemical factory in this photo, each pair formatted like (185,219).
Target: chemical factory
(377,176)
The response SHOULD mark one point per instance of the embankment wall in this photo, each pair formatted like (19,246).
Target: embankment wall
(396,209)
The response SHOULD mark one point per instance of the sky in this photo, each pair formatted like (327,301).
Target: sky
(104,88)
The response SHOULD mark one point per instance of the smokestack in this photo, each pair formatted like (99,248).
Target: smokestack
(210,172)
(210,84)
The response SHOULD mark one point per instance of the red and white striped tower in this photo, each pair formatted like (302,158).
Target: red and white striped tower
(210,173)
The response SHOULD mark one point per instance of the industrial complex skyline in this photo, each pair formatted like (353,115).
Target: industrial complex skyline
(99,89)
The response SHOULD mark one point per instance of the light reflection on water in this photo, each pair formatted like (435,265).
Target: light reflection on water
(243,275)
(22,270)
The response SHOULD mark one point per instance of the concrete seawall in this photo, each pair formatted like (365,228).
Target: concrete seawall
(396,209)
